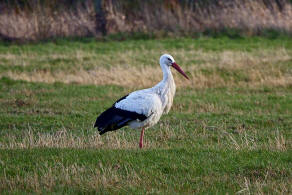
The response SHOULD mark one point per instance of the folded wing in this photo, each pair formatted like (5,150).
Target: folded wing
(137,106)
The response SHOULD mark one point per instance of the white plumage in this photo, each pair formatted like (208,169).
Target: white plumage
(142,108)
(143,102)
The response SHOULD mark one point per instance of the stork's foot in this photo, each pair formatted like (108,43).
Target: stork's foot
(141,138)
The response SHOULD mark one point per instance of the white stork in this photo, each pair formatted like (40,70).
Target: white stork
(142,108)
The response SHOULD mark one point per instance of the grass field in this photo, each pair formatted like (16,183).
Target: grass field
(228,131)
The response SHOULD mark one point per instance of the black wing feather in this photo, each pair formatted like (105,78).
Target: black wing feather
(115,118)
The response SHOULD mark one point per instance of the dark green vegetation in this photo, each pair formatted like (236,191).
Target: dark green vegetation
(227,138)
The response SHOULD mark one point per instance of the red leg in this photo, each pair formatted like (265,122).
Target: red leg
(141,138)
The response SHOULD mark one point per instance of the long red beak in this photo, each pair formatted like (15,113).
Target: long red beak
(176,66)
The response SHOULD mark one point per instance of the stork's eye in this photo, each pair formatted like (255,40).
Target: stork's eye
(169,59)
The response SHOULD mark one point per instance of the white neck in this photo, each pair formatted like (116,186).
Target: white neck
(166,72)
(166,88)
(167,78)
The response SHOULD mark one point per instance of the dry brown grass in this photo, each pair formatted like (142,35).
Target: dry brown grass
(260,185)
(45,22)
(249,141)
(167,17)
(157,137)
(215,69)
(63,138)
(172,17)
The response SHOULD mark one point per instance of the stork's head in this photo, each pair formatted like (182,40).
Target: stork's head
(167,60)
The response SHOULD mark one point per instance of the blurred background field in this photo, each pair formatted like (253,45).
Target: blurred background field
(33,20)
(229,130)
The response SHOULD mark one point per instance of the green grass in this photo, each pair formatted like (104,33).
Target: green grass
(63,54)
(233,138)
(171,170)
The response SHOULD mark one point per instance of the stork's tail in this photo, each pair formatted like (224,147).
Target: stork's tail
(115,118)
